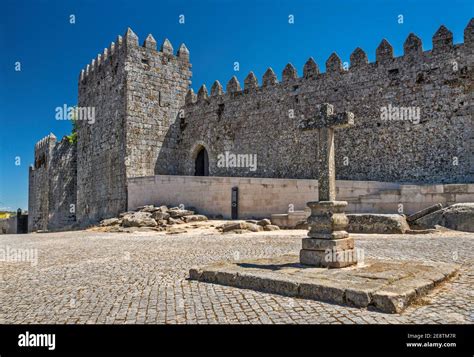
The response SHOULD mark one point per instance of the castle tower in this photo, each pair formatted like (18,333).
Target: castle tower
(38,193)
(136,92)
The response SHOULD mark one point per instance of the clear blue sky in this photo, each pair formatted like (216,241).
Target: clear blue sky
(255,33)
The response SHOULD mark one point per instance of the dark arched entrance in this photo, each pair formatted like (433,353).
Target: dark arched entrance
(201,166)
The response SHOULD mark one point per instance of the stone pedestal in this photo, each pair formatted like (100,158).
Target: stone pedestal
(328,244)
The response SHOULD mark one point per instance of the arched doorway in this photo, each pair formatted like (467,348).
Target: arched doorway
(201,164)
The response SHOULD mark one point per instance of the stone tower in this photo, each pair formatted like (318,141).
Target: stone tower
(137,92)
(52,185)
(38,202)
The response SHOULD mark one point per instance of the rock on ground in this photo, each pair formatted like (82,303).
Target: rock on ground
(271,227)
(160,215)
(194,218)
(177,213)
(459,216)
(139,219)
(377,223)
(241,227)
(174,221)
(264,222)
(228,227)
(110,222)
(424,212)
(160,218)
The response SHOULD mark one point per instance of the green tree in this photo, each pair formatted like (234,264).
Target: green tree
(72,138)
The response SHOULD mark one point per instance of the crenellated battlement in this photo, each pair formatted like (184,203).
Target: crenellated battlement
(129,42)
(43,150)
(442,42)
(45,142)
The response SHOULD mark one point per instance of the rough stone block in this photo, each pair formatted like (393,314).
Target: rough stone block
(332,259)
(393,299)
(325,291)
(323,244)
(332,235)
(359,297)
(424,212)
(377,223)
(459,216)
(194,218)
(456,188)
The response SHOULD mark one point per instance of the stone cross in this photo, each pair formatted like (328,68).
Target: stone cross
(328,244)
(326,121)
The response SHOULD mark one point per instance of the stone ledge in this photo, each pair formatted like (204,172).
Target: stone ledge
(385,285)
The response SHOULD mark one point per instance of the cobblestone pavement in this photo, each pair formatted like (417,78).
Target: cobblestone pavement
(89,277)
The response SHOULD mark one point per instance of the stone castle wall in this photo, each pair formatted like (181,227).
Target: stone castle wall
(262,197)
(156,86)
(137,92)
(147,123)
(52,185)
(62,186)
(263,119)
(38,195)
(101,179)
(8,225)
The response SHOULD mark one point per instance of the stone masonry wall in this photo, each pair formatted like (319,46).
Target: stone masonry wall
(38,195)
(262,197)
(263,119)
(62,186)
(136,92)
(8,225)
(101,184)
(52,185)
(157,82)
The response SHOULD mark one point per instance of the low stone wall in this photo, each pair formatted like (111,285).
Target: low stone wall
(8,225)
(261,197)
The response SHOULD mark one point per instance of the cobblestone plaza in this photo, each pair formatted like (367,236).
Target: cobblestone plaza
(142,278)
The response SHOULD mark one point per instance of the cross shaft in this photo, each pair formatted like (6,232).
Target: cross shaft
(326,121)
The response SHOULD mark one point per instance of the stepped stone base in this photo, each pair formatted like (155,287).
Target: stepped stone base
(328,245)
(385,285)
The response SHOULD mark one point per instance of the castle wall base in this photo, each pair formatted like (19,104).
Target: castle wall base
(262,197)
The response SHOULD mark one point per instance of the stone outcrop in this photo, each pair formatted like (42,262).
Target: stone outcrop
(150,216)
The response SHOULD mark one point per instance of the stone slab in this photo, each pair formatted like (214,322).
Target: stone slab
(385,285)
